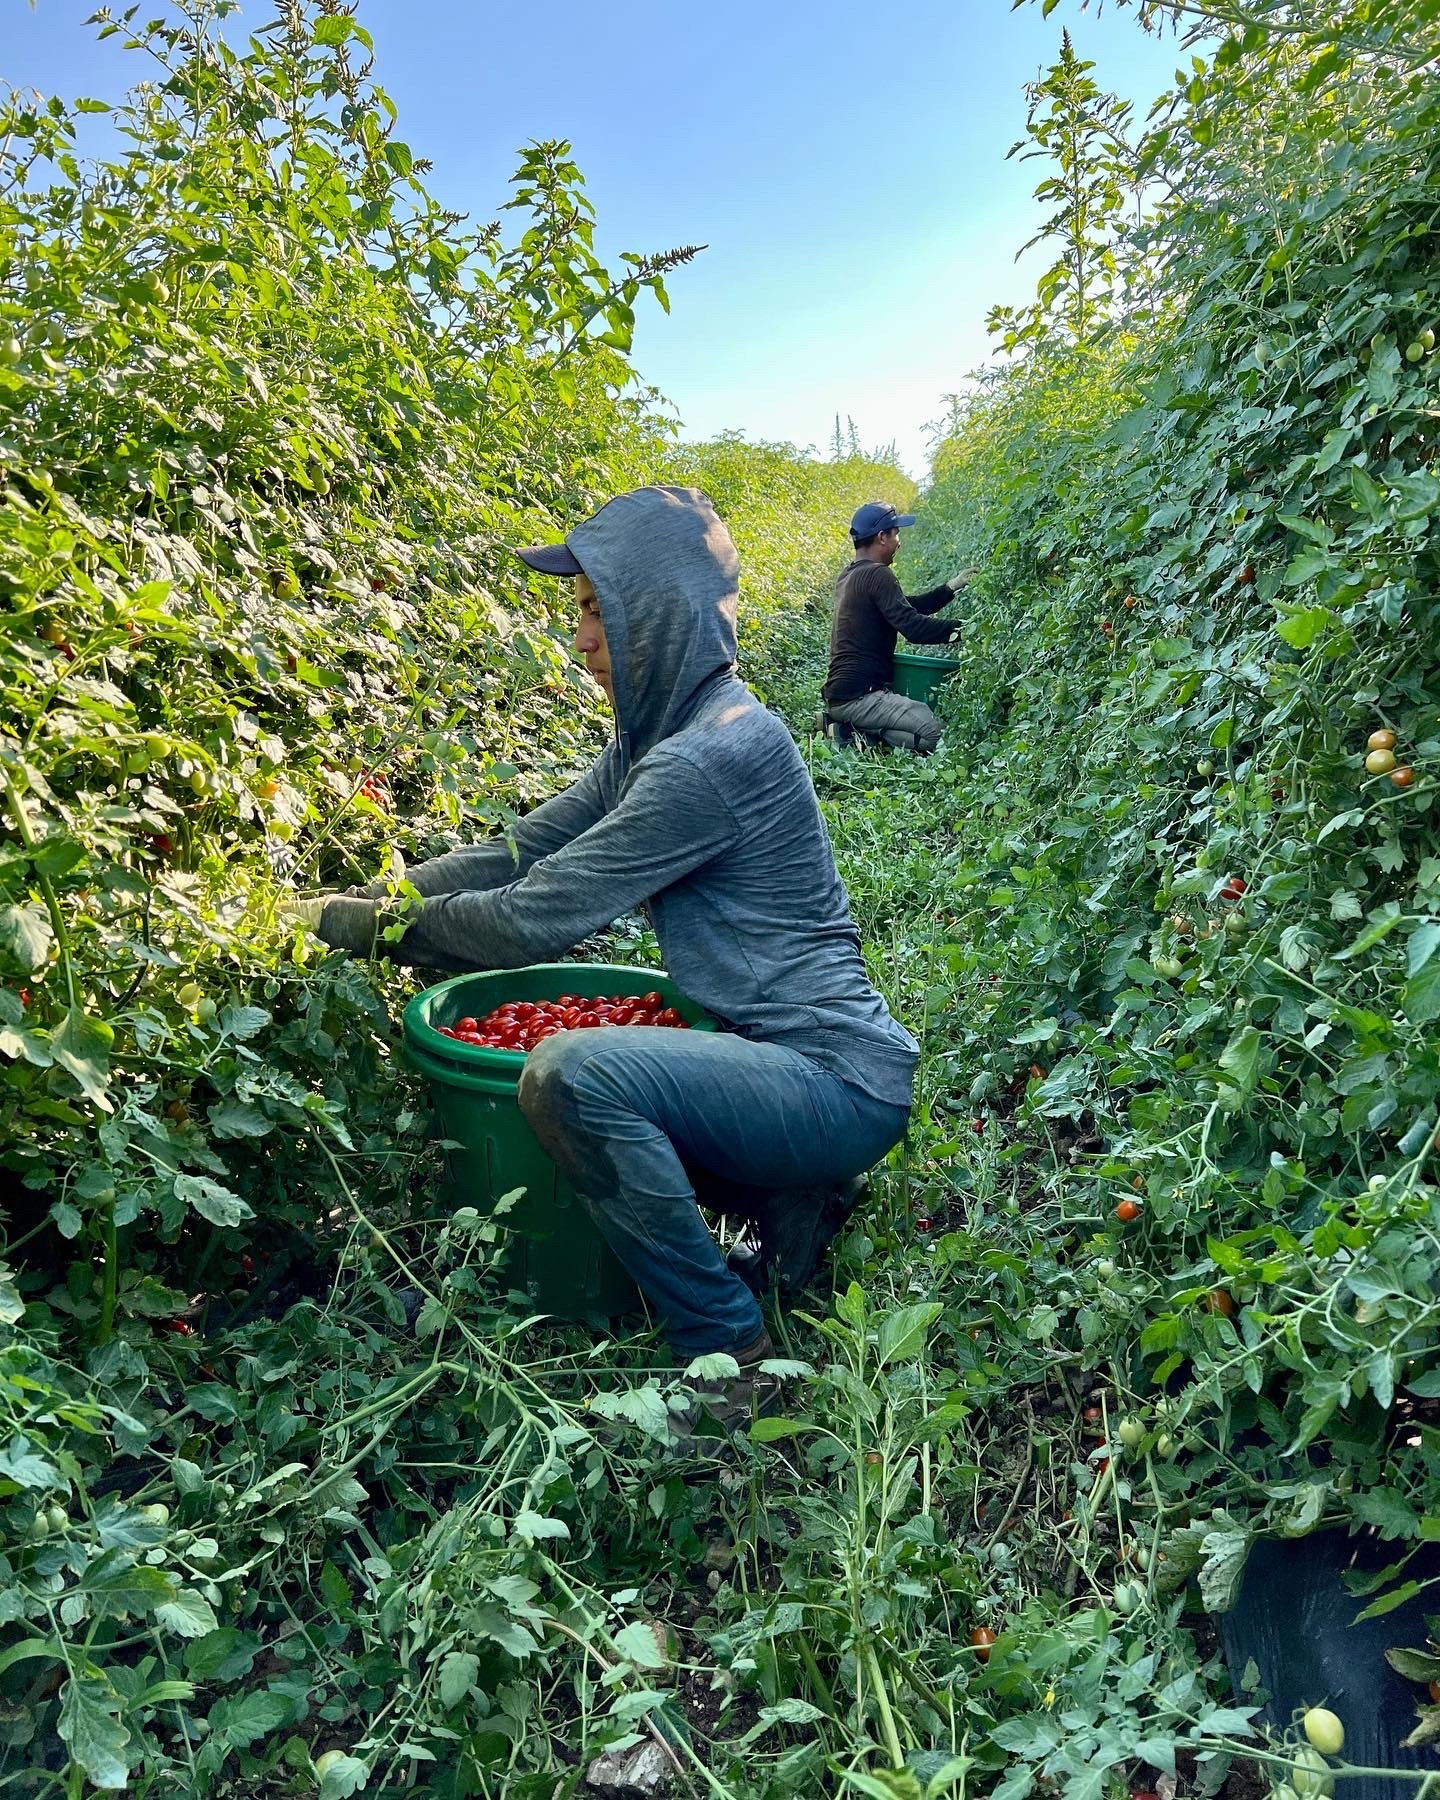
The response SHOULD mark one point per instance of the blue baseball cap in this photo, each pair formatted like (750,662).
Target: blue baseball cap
(551,559)
(876,516)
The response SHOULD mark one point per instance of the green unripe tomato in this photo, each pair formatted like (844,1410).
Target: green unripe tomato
(1128,1596)
(1142,1556)
(205,1010)
(1130,1431)
(11,350)
(1105,1268)
(156,746)
(57,1519)
(1414,351)
(1324,1730)
(1205,767)
(1426,339)
(191,995)
(285,587)
(1165,1445)
(157,1513)
(1168,966)
(326,1762)
(199,782)
(1311,1773)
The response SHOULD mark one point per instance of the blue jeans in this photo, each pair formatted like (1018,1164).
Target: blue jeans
(628,1111)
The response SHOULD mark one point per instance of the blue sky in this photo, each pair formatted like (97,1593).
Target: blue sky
(846,166)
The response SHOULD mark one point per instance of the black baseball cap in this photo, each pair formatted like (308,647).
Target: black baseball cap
(551,559)
(876,516)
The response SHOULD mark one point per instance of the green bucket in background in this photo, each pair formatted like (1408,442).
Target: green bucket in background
(919,677)
(553,1251)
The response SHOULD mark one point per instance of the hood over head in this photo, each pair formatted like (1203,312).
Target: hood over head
(666,575)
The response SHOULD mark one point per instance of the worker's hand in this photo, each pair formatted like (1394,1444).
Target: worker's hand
(963,579)
(296,911)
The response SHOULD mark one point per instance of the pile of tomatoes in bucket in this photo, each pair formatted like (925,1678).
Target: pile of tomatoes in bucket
(522,1024)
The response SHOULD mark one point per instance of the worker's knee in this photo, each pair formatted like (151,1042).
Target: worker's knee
(546,1090)
(927,737)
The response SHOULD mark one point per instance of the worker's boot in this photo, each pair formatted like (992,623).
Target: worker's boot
(792,1228)
(733,1401)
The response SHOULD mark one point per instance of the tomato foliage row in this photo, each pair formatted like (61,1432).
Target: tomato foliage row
(269,416)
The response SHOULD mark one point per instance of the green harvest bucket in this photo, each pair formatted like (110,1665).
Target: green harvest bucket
(554,1251)
(918,677)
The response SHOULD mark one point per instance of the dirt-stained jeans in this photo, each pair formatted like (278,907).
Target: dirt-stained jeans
(626,1110)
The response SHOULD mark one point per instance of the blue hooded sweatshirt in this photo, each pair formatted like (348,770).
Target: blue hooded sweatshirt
(701,807)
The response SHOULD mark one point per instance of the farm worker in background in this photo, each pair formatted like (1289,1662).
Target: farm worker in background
(700,807)
(870,610)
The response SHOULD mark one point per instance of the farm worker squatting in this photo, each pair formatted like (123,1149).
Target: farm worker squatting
(701,807)
(871,609)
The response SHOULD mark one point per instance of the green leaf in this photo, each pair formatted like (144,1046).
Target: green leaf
(884,1784)
(1240,1059)
(211,1201)
(1301,628)
(902,1333)
(1420,996)
(1307,1506)
(1382,922)
(187,1614)
(642,1406)
(25,932)
(1337,442)
(1423,943)
(1415,1665)
(1388,1602)
(236,1119)
(81,1046)
(241,1721)
(117,1588)
(18,1463)
(347,1775)
(458,1671)
(242,1022)
(225,1654)
(90,1726)
(531,1525)
(1223,1568)
(637,1644)
(398,156)
(1383,1508)
(771,1430)
(334,31)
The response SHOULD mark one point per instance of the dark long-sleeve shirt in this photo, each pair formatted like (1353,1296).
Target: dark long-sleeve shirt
(871,610)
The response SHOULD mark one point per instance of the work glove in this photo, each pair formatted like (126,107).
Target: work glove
(295,911)
(344,921)
(963,579)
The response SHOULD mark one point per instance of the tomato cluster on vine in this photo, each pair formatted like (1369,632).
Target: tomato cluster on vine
(522,1024)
